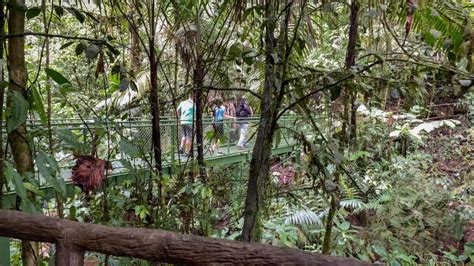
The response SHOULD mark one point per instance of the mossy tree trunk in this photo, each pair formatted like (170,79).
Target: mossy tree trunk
(19,138)
(273,91)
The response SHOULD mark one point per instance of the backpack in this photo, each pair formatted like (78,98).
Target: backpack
(243,111)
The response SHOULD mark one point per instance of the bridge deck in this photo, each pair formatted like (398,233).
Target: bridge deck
(138,132)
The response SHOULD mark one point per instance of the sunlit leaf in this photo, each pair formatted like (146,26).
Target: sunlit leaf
(57,77)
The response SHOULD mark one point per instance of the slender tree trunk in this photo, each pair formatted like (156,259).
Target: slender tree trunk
(260,163)
(351,47)
(2,98)
(199,98)
(135,44)
(19,138)
(350,62)
(329,223)
(155,111)
(349,134)
(59,199)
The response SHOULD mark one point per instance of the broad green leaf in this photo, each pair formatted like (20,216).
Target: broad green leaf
(72,141)
(80,47)
(345,226)
(59,10)
(66,45)
(38,105)
(17,112)
(48,168)
(381,251)
(76,13)
(235,50)
(19,185)
(335,92)
(33,12)
(129,148)
(278,137)
(33,188)
(57,77)
(29,206)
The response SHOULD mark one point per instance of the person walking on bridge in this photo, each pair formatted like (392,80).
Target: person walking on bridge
(185,111)
(219,113)
(243,112)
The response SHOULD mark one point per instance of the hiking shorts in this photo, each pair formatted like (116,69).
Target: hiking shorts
(187,131)
(218,129)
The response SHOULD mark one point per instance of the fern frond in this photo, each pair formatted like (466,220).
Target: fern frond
(349,192)
(303,217)
(353,204)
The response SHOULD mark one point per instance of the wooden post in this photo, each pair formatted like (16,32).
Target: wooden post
(67,254)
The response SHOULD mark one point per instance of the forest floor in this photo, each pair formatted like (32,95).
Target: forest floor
(452,150)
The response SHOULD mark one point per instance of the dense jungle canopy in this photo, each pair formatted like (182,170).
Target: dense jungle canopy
(334,127)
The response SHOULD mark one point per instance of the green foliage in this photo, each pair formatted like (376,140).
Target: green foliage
(33,12)
(37,105)
(18,112)
(48,168)
(72,142)
(57,77)
(130,149)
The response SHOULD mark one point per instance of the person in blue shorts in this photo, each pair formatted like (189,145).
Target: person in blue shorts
(218,115)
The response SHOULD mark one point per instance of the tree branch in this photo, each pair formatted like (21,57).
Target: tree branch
(9,36)
(328,87)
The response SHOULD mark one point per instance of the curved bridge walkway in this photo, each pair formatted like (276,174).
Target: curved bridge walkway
(127,144)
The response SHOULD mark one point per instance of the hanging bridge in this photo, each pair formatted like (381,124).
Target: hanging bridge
(127,144)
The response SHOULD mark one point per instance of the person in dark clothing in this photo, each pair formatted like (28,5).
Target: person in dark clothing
(243,112)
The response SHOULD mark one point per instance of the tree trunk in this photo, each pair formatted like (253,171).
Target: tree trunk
(67,254)
(134,43)
(350,62)
(349,126)
(19,138)
(260,163)
(353,25)
(154,102)
(59,199)
(199,98)
(2,98)
(155,245)
(329,223)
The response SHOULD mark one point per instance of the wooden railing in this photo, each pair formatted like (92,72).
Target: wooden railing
(72,239)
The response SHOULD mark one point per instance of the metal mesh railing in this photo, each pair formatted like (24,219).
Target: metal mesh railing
(72,134)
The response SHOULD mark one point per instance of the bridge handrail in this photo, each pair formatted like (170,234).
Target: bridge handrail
(72,239)
(164,121)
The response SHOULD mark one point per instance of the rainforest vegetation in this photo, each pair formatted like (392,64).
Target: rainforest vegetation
(335,127)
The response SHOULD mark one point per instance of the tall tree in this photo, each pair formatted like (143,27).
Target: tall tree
(2,97)
(18,137)
(154,101)
(273,92)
